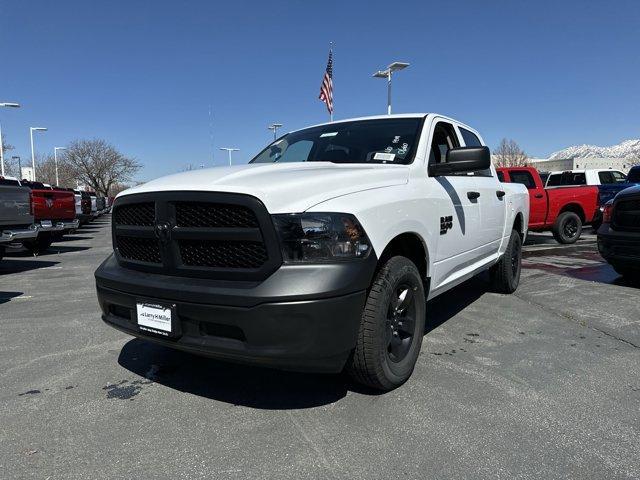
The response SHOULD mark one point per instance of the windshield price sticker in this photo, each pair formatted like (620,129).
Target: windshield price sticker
(387,157)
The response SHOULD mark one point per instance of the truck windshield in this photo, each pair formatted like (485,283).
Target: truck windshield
(364,141)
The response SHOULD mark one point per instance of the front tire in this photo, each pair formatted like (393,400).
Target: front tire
(567,228)
(391,327)
(505,275)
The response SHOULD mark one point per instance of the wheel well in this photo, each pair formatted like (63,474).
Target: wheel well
(408,245)
(575,208)
(518,224)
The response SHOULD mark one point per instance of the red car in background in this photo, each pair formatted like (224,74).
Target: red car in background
(54,213)
(563,210)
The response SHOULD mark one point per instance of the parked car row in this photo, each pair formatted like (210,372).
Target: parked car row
(563,211)
(35,215)
(609,182)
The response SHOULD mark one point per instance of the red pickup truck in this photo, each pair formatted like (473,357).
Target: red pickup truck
(54,213)
(563,210)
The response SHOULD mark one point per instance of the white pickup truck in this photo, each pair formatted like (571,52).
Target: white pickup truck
(320,254)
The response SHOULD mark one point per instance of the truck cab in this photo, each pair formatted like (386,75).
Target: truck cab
(320,254)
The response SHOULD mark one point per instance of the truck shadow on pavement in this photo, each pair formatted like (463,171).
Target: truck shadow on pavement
(7,296)
(16,266)
(265,388)
(53,250)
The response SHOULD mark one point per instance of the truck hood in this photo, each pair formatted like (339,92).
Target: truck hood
(283,187)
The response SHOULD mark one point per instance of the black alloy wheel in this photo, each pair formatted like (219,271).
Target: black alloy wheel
(401,321)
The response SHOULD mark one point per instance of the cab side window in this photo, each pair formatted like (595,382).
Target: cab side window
(619,177)
(470,138)
(524,178)
(606,178)
(444,139)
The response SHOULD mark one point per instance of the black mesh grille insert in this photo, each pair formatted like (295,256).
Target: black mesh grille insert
(626,215)
(222,254)
(214,215)
(139,249)
(140,214)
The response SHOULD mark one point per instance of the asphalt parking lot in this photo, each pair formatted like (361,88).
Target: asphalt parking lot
(544,383)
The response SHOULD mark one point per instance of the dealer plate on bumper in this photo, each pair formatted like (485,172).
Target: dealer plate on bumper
(155,318)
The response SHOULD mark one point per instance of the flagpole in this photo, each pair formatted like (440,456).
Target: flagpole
(332,104)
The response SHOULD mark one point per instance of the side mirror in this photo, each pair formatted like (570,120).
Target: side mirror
(462,160)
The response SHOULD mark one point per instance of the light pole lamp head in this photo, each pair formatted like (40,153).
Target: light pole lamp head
(381,74)
(39,129)
(395,66)
(10,105)
(274,126)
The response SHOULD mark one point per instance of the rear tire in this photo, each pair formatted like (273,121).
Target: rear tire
(391,327)
(567,228)
(505,275)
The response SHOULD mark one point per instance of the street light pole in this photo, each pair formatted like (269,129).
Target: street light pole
(394,67)
(274,127)
(229,150)
(33,155)
(9,105)
(55,159)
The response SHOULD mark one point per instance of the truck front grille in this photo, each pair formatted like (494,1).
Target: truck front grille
(139,249)
(213,235)
(142,214)
(212,253)
(200,214)
(626,215)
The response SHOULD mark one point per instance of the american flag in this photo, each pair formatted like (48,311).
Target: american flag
(326,89)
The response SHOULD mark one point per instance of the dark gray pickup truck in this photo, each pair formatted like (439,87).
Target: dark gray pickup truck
(16,218)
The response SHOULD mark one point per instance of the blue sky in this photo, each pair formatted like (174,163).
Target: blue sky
(142,74)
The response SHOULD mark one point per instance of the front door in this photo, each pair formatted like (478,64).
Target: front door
(457,212)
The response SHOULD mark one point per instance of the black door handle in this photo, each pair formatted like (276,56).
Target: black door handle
(538,195)
(473,195)
(500,193)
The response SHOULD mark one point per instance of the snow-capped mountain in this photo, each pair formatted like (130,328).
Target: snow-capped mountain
(626,149)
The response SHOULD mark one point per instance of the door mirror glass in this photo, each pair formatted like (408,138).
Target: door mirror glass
(462,160)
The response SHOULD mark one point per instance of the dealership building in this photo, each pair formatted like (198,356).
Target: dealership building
(580,163)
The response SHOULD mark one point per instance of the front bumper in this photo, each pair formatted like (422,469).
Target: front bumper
(619,248)
(302,317)
(18,235)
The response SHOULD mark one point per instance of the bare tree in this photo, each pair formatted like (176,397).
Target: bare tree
(5,146)
(509,154)
(99,164)
(8,168)
(634,161)
(46,171)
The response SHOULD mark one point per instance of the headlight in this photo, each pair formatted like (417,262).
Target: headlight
(321,237)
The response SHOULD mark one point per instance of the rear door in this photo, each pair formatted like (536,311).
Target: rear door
(491,202)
